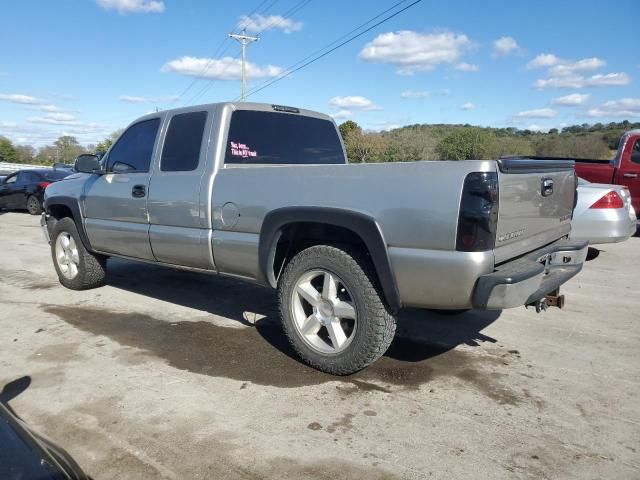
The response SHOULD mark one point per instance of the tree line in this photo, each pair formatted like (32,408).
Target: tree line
(64,150)
(406,144)
(466,142)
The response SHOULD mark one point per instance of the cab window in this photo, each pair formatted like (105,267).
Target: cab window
(133,150)
(11,179)
(181,150)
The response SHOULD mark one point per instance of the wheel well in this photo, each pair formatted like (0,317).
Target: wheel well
(297,236)
(59,211)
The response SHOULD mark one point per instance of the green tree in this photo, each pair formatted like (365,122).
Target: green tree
(25,154)
(68,149)
(364,147)
(104,145)
(7,151)
(347,127)
(466,144)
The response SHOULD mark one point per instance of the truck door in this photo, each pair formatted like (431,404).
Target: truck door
(178,193)
(628,174)
(116,218)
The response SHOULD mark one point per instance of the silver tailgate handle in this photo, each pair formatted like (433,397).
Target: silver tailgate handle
(630,175)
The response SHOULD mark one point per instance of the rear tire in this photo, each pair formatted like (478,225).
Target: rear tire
(34,207)
(77,268)
(332,310)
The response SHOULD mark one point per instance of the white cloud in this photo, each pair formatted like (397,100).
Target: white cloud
(50,108)
(543,60)
(226,68)
(625,107)
(354,103)
(413,52)
(467,67)
(504,46)
(571,100)
(132,6)
(259,23)
(341,114)
(563,73)
(55,119)
(467,106)
(559,67)
(571,68)
(415,94)
(444,92)
(535,128)
(20,98)
(134,99)
(579,81)
(537,113)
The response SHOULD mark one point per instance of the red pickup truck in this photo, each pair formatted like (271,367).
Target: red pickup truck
(624,169)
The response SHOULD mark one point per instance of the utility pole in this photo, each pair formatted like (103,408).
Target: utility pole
(244,40)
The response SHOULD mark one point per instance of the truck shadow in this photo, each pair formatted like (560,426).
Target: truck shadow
(421,334)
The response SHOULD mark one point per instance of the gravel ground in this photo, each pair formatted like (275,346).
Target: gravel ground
(170,374)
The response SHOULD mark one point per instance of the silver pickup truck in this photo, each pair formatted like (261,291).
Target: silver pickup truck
(264,193)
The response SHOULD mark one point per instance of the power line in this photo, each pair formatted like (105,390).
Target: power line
(217,52)
(289,72)
(334,42)
(296,8)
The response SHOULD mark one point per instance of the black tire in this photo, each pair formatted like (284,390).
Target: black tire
(34,206)
(376,325)
(91,267)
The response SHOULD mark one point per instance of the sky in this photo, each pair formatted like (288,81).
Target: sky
(88,67)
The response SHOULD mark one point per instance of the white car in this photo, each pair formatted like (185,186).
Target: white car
(603,214)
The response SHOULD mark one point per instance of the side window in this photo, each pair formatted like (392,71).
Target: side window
(11,180)
(181,149)
(635,153)
(23,178)
(132,152)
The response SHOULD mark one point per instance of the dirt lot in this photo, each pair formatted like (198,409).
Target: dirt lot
(167,374)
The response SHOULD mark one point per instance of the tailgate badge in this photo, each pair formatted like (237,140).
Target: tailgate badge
(547,187)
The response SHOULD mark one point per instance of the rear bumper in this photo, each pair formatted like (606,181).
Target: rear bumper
(531,277)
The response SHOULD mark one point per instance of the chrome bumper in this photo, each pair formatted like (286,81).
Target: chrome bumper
(530,278)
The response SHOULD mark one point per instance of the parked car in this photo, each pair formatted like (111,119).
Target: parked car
(623,170)
(603,214)
(264,193)
(25,188)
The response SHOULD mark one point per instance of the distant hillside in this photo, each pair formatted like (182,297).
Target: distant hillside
(460,142)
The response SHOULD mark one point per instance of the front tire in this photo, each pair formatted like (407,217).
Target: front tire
(332,310)
(77,268)
(34,207)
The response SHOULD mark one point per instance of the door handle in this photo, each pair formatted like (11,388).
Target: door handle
(630,175)
(138,191)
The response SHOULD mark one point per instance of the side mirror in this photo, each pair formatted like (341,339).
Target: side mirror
(88,163)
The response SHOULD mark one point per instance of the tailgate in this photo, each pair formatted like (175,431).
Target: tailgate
(536,202)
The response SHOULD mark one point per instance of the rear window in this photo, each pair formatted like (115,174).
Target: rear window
(281,138)
(182,146)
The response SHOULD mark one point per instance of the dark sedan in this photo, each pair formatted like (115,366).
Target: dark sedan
(25,188)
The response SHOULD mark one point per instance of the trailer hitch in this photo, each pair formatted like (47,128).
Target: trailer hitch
(552,299)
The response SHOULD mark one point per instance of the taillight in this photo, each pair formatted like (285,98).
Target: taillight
(43,185)
(610,200)
(478,216)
